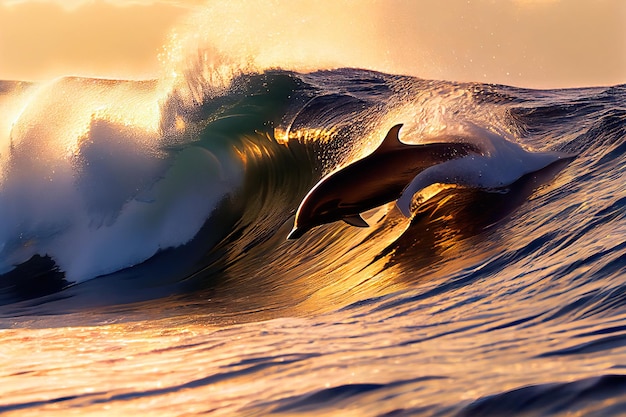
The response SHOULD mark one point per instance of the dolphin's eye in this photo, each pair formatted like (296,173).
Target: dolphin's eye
(327,207)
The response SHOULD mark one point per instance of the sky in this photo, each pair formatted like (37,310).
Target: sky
(529,43)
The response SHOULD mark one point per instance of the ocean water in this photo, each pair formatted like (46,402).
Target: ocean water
(145,266)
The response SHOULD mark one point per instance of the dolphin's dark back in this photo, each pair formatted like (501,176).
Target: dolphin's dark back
(382,177)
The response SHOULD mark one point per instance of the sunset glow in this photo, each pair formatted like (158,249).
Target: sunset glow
(536,43)
(312,207)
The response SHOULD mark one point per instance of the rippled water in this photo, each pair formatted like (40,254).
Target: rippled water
(486,302)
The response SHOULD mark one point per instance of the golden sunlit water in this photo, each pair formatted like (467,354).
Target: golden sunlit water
(144,261)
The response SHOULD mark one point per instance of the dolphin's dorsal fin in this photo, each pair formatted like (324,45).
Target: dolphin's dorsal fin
(355,220)
(391,141)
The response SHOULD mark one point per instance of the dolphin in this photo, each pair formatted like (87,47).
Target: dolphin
(377,179)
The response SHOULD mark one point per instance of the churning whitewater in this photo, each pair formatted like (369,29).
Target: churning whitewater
(144,233)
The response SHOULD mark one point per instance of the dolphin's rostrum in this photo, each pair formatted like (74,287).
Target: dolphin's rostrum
(372,181)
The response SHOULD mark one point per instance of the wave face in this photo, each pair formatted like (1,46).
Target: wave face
(158,217)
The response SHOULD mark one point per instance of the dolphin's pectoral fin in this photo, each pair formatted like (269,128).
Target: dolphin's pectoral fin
(355,220)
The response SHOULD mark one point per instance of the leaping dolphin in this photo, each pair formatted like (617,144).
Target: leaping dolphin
(372,181)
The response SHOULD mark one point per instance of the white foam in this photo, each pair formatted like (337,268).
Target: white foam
(167,215)
(95,189)
(501,163)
